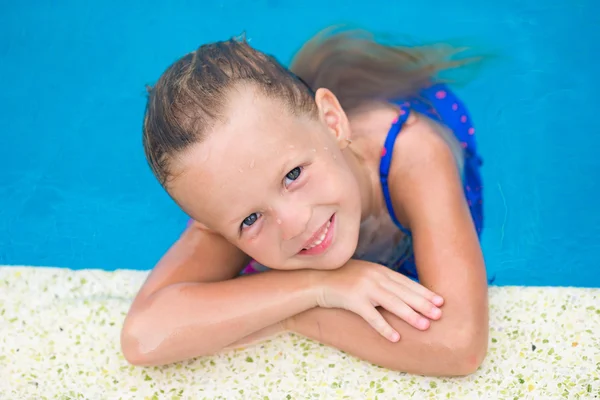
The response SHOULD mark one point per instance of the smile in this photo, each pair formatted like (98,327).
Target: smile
(321,240)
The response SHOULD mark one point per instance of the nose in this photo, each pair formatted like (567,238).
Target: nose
(292,219)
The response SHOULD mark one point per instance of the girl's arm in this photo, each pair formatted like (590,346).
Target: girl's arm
(193,304)
(428,197)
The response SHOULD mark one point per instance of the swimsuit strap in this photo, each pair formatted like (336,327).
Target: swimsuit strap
(386,162)
(419,105)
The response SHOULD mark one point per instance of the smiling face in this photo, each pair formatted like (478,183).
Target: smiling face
(275,184)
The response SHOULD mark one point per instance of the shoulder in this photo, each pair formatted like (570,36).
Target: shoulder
(422,143)
(425,179)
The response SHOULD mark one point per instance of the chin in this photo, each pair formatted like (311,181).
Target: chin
(345,246)
(345,256)
(341,255)
(331,261)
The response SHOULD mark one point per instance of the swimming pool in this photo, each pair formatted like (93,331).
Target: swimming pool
(75,190)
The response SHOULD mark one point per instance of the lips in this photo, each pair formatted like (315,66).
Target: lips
(320,241)
(318,237)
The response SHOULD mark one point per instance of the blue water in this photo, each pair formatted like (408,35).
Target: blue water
(75,190)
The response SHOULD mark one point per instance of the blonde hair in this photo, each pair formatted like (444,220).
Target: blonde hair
(192,93)
(358,69)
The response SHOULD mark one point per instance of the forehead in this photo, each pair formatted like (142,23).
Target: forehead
(257,124)
(241,157)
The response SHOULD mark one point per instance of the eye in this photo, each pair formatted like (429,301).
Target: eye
(250,220)
(293,175)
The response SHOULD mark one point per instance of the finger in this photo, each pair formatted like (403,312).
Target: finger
(396,306)
(413,300)
(416,287)
(376,320)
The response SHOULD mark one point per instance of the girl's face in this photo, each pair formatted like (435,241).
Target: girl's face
(276,185)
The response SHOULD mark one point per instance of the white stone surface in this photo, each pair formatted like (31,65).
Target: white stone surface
(59,339)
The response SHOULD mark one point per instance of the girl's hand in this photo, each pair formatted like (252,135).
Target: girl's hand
(360,286)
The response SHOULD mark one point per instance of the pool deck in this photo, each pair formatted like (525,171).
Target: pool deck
(59,339)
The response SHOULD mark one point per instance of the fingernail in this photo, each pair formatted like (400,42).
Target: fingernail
(438,300)
(424,323)
(436,312)
(395,336)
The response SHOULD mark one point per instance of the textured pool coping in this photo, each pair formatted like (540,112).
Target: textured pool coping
(59,339)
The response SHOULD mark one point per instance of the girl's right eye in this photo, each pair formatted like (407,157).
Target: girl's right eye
(250,220)
(293,175)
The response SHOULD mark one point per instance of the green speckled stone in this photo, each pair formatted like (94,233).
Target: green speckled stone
(59,339)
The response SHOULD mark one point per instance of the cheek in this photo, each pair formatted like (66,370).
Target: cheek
(259,245)
(339,178)
(325,183)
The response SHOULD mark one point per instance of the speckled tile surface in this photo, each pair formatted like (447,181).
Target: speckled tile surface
(59,339)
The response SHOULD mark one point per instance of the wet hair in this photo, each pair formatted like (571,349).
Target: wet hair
(191,96)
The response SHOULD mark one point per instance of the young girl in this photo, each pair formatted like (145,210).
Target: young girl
(341,181)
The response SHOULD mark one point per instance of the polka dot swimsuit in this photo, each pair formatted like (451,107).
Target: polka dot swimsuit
(440,104)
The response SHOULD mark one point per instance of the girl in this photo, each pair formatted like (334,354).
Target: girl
(346,176)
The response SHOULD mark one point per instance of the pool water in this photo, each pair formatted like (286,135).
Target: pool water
(75,190)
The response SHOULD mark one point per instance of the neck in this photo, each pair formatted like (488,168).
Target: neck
(369,130)
(356,164)
(367,175)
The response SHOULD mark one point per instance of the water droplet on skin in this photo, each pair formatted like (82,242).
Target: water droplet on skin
(314,150)
(252,164)
(325,148)
(278,221)
(241,170)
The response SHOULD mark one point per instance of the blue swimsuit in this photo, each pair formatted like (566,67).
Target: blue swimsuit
(441,105)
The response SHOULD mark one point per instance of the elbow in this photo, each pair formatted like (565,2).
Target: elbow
(135,337)
(133,357)
(460,353)
(147,344)
(466,351)
(130,345)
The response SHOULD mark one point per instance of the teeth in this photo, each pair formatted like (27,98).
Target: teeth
(321,237)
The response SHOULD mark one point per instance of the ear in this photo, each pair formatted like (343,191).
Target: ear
(333,116)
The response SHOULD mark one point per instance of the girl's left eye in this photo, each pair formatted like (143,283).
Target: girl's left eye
(250,220)
(292,175)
